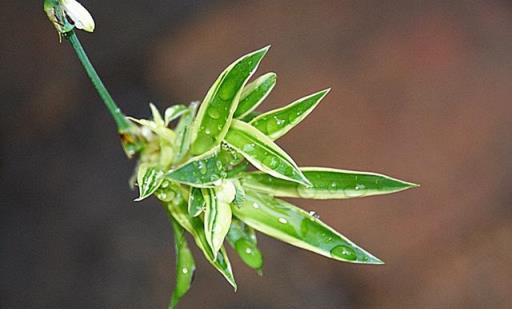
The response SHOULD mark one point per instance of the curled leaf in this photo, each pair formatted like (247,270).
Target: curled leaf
(217,219)
(149,179)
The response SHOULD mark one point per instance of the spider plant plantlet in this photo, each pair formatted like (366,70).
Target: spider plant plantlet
(200,171)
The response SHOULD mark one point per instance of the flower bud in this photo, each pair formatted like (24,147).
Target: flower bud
(68,14)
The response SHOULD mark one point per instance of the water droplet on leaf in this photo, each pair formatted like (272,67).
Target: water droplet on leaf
(344,252)
(214,113)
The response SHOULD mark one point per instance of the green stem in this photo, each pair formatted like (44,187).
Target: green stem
(122,123)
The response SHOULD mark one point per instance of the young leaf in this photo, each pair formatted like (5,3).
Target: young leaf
(202,171)
(254,93)
(217,219)
(157,118)
(264,154)
(174,112)
(185,265)
(196,202)
(149,179)
(184,132)
(164,133)
(243,239)
(293,225)
(194,225)
(216,111)
(327,183)
(278,122)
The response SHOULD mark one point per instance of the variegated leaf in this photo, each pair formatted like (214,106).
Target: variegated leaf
(216,111)
(254,94)
(327,183)
(149,179)
(278,122)
(290,224)
(217,219)
(194,225)
(263,153)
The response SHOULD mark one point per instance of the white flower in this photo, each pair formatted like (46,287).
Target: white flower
(78,14)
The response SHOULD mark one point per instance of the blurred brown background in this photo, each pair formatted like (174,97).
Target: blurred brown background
(421,91)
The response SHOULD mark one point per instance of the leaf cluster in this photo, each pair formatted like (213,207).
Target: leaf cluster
(201,171)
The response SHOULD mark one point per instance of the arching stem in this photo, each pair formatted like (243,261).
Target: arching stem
(123,125)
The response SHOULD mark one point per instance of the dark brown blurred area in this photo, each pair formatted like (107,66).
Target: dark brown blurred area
(421,91)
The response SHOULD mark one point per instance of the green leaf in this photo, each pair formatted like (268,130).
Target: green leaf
(217,219)
(185,265)
(216,111)
(254,93)
(327,183)
(202,171)
(194,225)
(250,116)
(293,225)
(263,153)
(196,202)
(149,179)
(184,133)
(278,122)
(206,170)
(174,112)
(243,239)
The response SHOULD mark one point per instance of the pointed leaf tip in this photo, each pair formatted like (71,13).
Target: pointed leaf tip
(220,103)
(278,122)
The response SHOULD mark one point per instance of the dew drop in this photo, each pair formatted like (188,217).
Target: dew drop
(202,144)
(248,147)
(333,187)
(249,253)
(202,167)
(283,220)
(214,113)
(227,91)
(305,192)
(165,184)
(274,124)
(313,214)
(360,187)
(218,164)
(344,252)
(271,161)
(184,270)
(357,191)
(292,117)
(255,205)
(207,131)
